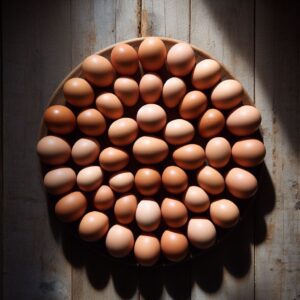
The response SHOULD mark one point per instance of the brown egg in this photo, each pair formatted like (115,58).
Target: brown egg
(148,215)
(218,152)
(85,151)
(122,181)
(196,199)
(193,105)
(127,90)
(59,181)
(174,245)
(110,106)
(125,59)
(241,183)
(93,226)
(104,198)
(224,213)
(206,74)
(147,181)
(227,94)
(59,119)
(181,59)
(91,122)
(147,250)
(178,132)
(189,157)
(201,233)
(211,123)
(98,70)
(152,53)
(78,92)
(150,150)
(151,118)
(211,180)
(174,180)
(123,131)
(125,208)
(174,212)
(53,150)
(173,91)
(244,120)
(89,178)
(71,207)
(150,87)
(249,152)
(119,241)
(113,159)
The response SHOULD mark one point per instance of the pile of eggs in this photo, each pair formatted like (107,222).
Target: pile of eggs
(153,151)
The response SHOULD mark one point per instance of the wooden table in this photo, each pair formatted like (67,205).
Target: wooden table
(257,40)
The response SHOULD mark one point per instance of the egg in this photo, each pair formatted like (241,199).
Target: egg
(147,250)
(53,150)
(173,91)
(93,226)
(248,152)
(109,105)
(78,92)
(125,59)
(178,132)
(152,53)
(89,178)
(59,181)
(244,120)
(59,119)
(211,180)
(241,183)
(104,198)
(122,181)
(174,245)
(189,157)
(150,87)
(113,159)
(227,94)
(174,212)
(224,213)
(174,179)
(98,70)
(193,105)
(211,123)
(181,59)
(150,150)
(125,208)
(127,90)
(151,118)
(71,207)
(123,131)
(196,199)
(201,233)
(148,215)
(119,241)
(218,152)
(91,122)
(85,151)
(147,181)
(206,74)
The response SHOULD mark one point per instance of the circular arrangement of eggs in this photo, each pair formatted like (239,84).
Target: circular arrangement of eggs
(151,151)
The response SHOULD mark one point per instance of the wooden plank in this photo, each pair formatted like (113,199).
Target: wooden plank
(95,25)
(225,30)
(277,93)
(171,19)
(36,45)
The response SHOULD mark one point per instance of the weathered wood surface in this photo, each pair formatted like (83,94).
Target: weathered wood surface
(257,40)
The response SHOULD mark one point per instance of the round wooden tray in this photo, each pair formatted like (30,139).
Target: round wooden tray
(58,98)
